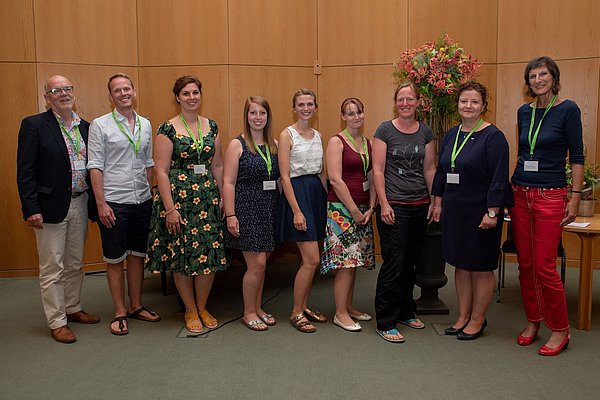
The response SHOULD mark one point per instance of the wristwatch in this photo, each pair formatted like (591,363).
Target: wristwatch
(491,213)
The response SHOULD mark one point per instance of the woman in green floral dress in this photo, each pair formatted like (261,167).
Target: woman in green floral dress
(186,232)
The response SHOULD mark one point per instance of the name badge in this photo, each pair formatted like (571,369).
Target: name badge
(269,185)
(79,165)
(366,186)
(199,169)
(452,178)
(531,166)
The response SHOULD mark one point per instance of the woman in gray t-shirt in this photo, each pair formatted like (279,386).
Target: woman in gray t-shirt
(403,171)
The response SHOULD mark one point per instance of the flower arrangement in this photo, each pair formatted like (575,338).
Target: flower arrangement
(591,180)
(438,69)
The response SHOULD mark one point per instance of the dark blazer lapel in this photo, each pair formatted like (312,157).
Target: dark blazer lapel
(56,133)
(83,130)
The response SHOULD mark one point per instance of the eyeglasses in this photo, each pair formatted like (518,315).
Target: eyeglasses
(58,90)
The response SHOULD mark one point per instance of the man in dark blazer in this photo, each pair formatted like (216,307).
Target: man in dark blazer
(54,190)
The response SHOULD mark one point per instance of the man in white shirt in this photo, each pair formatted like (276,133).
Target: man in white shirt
(121,166)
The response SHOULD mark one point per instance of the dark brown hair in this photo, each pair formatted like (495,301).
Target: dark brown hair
(185,80)
(543,61)
(479,88)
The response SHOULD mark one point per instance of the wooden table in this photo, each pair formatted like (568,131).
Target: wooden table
(586,276)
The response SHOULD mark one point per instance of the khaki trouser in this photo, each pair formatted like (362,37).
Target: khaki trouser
(60,251)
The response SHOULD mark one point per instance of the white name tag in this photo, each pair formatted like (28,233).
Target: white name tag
(199,169)
(269,185)
(452,178)
(531,166)
(366,186)
(79,165)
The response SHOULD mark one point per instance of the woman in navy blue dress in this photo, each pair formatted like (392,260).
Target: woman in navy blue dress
(250,198)
(471,189)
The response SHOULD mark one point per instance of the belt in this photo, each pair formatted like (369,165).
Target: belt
(75,195)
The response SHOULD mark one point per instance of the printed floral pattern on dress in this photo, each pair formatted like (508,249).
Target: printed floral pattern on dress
(199,247)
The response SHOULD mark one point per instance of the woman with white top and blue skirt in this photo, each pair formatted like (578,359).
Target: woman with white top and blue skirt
(303,209)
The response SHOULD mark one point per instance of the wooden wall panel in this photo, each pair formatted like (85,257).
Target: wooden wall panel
(488,78)
(90,81)
(471,23)
(597,159)
(86,32)
(16,31)
(268,47)
(17,251)
(510,95)
(373,85)
(579,82)
(273,32)
(560,29)
(277,85)
(158,102)
(182,32)
(355,32)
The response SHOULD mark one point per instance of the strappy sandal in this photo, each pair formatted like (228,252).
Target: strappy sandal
(268,319)
(192,322)
(300,322)
(122,328)
(137,314)
(389,336)
(314,316)
(255,325)
(208,320)
(413,323)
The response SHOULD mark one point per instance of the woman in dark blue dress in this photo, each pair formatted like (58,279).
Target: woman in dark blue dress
(472,185)
(250,198)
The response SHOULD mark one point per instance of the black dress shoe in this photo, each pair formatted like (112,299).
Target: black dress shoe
(452,331)
(472,336)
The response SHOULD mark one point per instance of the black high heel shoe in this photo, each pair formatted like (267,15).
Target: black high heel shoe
(472,336)
(452,331)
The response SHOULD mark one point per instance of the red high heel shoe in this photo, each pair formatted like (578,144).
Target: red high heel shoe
(548,351)
(527,340)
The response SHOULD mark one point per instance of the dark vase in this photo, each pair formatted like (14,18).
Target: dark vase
(431,276)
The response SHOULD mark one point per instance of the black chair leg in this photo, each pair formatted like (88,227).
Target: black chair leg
(163,282)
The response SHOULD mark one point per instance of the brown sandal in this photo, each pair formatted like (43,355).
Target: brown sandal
(315,316)
(121,328)
(208,320)
(300,322)
(192,322)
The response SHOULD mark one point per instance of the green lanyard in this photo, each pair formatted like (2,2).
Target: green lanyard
(535,135)
(364,157)
(456,152)
(75,142)
(199,142)
(267,158)
(136,146)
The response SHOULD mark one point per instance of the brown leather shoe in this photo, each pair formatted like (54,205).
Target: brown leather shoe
(83,318)
(63,334)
